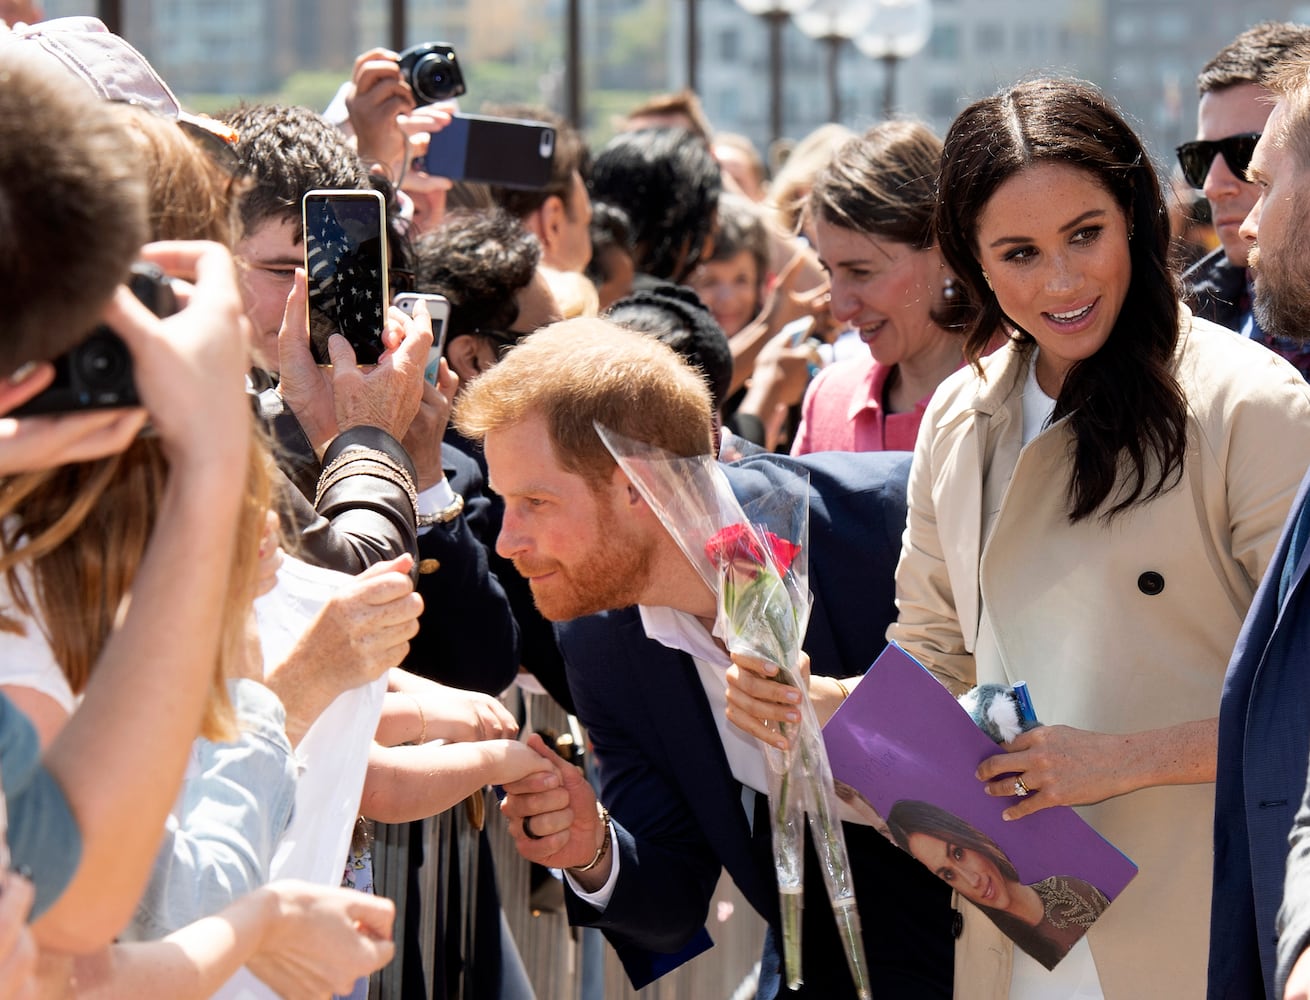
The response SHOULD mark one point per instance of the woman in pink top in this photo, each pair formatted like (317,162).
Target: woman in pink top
(871,208)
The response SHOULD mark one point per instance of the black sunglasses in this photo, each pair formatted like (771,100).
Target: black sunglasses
(1195,157)
(505,340)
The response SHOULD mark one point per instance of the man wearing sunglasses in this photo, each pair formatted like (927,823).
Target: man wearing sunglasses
(1232,113)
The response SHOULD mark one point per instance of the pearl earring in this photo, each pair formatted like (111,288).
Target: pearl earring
(948,288)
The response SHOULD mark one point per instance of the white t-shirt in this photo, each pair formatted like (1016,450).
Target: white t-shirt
(27,660)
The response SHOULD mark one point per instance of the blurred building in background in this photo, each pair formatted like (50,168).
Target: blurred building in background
(1144,53)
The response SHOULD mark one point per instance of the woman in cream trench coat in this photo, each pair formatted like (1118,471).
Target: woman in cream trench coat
(1121,620)
(1037,550)
(1116,629)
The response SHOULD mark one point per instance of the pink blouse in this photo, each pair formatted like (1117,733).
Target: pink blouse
(843,411)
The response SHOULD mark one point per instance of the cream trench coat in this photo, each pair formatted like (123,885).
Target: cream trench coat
(1116,628)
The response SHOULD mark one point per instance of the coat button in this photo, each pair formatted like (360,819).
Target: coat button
(1150,583)
(957,923)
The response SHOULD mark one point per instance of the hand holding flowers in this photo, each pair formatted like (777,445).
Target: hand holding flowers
(752,558)
(758,700)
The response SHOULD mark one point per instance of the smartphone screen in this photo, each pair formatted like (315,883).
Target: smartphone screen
(439,310)
(504,151)
(346,261)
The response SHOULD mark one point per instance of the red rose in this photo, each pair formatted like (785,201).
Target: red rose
(737,543)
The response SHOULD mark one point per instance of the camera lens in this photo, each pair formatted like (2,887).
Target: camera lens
(102,363)
(432,78)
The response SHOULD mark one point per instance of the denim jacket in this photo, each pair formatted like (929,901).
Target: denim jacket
(234,806)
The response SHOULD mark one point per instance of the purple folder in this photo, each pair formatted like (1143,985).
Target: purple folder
(904,745)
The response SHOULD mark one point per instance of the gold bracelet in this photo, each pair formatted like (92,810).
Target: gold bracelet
(845,691)
(604,848)
(423,719)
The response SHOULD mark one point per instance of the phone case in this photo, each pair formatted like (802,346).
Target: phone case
(346,262)
(439,311)
(503,151)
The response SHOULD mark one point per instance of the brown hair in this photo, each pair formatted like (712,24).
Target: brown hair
(884,184)
(191,196)
(588,371)
(72,207)
(1252,56)
(83,529)
(739,226)
(684,103)
(911,816)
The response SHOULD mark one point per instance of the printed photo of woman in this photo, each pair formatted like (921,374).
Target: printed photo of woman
(1045,919)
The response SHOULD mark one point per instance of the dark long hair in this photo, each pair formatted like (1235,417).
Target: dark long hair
(1126,409)
(910,816)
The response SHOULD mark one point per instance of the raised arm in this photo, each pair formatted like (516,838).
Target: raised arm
(121,757)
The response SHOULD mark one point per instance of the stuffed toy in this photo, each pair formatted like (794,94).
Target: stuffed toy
(998,711)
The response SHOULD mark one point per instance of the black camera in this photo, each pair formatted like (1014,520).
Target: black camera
(432,72)
(97,373)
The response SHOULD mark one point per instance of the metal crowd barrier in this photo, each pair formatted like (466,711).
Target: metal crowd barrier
(562,963)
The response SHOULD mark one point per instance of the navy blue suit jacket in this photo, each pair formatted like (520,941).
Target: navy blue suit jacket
(666,780)
(1264,736)
(467,636)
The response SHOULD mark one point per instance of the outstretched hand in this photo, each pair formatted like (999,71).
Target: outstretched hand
(786,301)
(360,633)
(423,438)
(564,821)
(322,939)
(377,95)
(454,714)
(304,385)
(388,394)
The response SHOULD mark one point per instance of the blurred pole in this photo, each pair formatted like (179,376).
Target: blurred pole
(573,64)
(398,27)
(833,44)
(777,21)
(889,61)
(111,12)
(693,44)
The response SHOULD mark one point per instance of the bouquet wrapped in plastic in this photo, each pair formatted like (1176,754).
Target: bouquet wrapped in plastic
(753,557)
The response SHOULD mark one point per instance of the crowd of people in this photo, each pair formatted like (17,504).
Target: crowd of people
(257,602)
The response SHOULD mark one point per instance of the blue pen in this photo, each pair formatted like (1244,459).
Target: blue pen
(1026,711)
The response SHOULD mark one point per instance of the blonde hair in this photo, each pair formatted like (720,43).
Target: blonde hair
(584,372)
(1290,81)
(793,180)
(574,293)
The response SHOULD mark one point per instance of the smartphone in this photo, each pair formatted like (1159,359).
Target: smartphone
(439,310)
(506,151)
(346,261)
